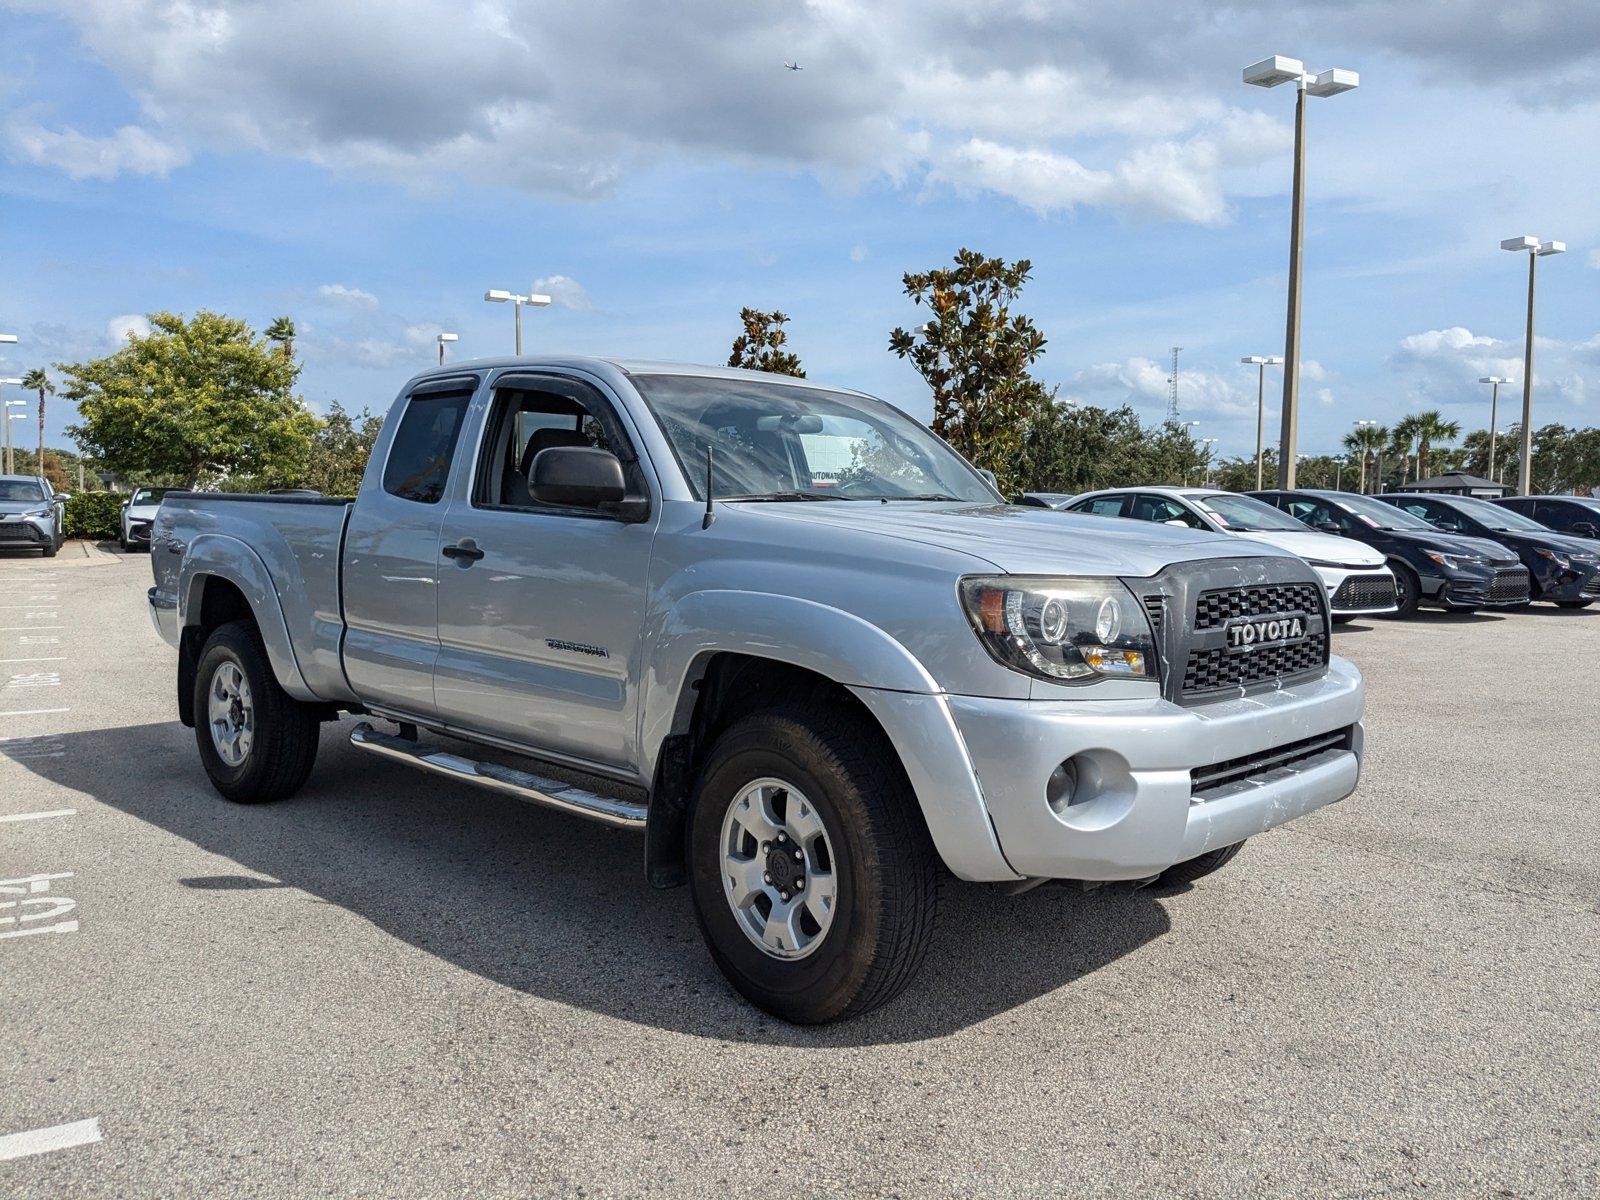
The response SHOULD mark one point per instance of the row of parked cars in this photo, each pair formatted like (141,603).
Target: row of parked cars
(1389,554)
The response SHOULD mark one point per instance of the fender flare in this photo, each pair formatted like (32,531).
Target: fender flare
(224,557)
(893,684)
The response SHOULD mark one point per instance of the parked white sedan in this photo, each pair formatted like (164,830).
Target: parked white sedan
(137,516)
(1357,581)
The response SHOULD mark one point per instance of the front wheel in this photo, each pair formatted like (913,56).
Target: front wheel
(1573,603)
(1198,867)
(815,882)
(257,742)
(1407,591)
(49,548)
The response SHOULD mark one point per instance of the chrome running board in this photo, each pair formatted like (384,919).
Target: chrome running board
(537,789)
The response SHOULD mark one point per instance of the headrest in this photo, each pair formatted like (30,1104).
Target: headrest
(545,439)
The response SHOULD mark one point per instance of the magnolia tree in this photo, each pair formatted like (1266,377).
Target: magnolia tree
(974,352)
(761,347)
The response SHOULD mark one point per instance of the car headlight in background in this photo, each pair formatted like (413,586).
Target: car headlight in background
(1060,629)
(1455,561)
(1560,560)
(37,512)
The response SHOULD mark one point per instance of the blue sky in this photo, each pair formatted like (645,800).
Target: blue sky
(371,170)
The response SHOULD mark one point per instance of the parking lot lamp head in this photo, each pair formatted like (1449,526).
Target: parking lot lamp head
(442,339)
(516,300)
(9,339)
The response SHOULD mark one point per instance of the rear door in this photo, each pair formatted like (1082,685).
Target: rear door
(1148,506)
(1102,506)
(391,552)
(540,624)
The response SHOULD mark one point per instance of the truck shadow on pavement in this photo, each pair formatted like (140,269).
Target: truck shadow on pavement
(556,907)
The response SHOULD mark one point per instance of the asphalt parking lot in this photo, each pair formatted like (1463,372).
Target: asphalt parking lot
(388,986)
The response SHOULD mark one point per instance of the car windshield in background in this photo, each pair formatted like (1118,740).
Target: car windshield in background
(1495,516)
(1381,515)
(20,489)
(148,495)
(1246,514)
(776,441)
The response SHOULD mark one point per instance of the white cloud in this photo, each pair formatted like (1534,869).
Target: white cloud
(1594,259)
(1442,367)
(129,150)
(353,296)
(1142,382)
(119,329)
(565,291)
(858,254)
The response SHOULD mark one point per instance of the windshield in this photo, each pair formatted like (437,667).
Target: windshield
(775,441)
(1246,514)
(20,489)
(1493,515)
(1381,515)
(148,495)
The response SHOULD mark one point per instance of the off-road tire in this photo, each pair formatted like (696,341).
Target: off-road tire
(1198,867)
(284,742)
(889,880)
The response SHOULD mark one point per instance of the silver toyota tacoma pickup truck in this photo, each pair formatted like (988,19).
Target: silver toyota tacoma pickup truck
(782,629)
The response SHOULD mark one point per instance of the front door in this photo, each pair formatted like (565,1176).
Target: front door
(540,619)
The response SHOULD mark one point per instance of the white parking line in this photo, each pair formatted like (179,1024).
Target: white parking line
(27,628)
(32,712)
(33,607)
(40,816)
(56,1137)
(51,658)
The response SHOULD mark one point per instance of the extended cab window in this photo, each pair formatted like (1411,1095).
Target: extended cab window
(532,416)
(419,457)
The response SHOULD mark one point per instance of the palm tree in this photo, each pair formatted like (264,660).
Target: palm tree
(1432,427)
(38,381)
(1403,441)
(282,331)
(1363,441)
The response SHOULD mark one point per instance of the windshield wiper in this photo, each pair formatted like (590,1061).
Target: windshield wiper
(781,497)
(923,496)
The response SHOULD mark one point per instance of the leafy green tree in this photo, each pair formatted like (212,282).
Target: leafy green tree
(340,449)
(37,381)
(1364,443)
(196,401)
(975,355)
(1432,427)
(281,332)
(761,346)
(1403,439)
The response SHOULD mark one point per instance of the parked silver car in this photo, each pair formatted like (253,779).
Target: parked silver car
(32,515)
(782,629)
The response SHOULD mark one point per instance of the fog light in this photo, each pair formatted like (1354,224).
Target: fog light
(1062,786)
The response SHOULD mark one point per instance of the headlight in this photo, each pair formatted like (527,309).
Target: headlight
(1560,560)
(37,512)
(1455,561)
(1060,629)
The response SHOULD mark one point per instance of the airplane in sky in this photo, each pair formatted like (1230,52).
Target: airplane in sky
(792,66)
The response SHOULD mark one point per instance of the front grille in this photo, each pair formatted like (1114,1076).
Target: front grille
(1510,585)
(1212,666)
(1251,767)
(1155,609)
(1216,608)
(139,531)
(1591,588)
(1364,591)
(18,531)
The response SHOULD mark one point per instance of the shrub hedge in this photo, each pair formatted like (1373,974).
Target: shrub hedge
(94,515)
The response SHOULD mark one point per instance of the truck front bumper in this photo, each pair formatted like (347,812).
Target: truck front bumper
(1156,783)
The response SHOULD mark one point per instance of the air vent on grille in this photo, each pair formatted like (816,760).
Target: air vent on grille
(1235,770)
(1509,585)
(1364,592)
(1217,607)
(1155,608)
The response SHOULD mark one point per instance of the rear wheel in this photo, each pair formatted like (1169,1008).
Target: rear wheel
(1198,867)
(257,742)
(1407,590)
(814,880)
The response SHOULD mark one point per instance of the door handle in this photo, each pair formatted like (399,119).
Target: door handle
(466,551)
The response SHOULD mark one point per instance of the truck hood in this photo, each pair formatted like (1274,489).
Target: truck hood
(1323,547)
(1025,541)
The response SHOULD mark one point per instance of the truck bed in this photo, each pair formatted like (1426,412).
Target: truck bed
(289,548)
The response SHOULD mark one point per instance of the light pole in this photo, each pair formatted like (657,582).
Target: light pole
(1186,425)
(11,454)
(1494,414)
(1270,72)
(1338,473)
(1207,443)
(497,296)
(1261,363)
(1536,250)
(442,339)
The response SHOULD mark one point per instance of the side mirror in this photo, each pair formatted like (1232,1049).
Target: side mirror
(1326,527)
(61,497)
(577,477)
(1175,521)
(991,477)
